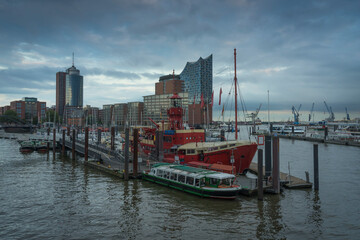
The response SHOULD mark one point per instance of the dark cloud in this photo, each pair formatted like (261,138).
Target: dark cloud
(302,51)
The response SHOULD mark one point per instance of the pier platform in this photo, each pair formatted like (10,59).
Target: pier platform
(286,180)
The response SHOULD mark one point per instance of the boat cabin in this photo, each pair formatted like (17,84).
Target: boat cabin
(193,176)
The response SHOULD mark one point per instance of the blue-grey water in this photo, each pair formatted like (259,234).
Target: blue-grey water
(58,198)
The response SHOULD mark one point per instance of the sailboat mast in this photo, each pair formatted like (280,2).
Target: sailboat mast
(235,80)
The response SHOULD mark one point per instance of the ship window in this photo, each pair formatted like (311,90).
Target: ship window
(222,147)
(197,181)
(173,176)
(202,182)
(190,151)
(160,173)
(181,178)
(213,181)
(167,138)
(190,180)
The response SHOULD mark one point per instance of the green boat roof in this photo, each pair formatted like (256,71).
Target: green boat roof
(189,169)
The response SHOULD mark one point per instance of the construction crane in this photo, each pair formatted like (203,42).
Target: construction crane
(254,115)
(347,114)
(296,114)
(331,117)
(311,112)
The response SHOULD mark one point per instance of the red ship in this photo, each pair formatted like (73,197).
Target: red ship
(188,145)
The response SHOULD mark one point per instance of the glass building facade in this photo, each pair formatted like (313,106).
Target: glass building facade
(198,79)
(74,88)
(156,106)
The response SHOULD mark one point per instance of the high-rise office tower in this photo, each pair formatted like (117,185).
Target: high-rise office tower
(60,92)
(69,89)
(73,88)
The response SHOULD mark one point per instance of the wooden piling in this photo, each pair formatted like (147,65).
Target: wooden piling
(260,175)
(292,130)
(135,156)
(267,156)
(316,168)
(307,177)
(222,135)
(126,170)
(54,141)
(86,143)
(63,142)
(112,138)
(68,131)
(48,144)
(276,166)
(73,144)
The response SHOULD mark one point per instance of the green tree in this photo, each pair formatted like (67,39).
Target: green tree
(11,113)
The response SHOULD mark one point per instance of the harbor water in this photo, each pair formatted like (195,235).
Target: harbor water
(43,197)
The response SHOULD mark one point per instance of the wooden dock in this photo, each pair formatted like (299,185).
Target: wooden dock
(286,180)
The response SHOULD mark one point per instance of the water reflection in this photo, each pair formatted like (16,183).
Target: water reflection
(315,214)
(271,223)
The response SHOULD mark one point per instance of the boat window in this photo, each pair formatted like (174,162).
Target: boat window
(181,178)
(160,173)
(190,180)
(222,147)
(197,181)
(226,181)
(202,182)
(168,138)
(153,171)
(231,145)
(167,175)
(173,176)
(213,181)
(190,151)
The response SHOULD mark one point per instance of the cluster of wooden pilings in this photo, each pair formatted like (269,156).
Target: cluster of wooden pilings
(272,167)
(95,151)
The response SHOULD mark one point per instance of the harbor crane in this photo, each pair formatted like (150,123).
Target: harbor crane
(296,114)
(331,117)
(311,112)
(347,114)
(254,115)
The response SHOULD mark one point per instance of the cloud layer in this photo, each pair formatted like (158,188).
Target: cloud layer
(301,51)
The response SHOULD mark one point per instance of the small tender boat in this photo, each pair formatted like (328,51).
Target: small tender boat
(198,181)
(27,146)
(41,146)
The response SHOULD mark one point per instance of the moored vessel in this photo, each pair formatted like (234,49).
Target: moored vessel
(197,181)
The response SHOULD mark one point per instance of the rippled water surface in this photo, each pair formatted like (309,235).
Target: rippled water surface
(57,198)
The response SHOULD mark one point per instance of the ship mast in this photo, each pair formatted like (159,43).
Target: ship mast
(235,80)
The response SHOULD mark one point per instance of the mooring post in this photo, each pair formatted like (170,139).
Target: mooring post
(307,176)
(112,138)
(86,143)
(222,135)
(126,170)
(135,156)
(316,168)
(68,131)
(325,133)
(73,144)
(99,136)
(276,165)
(260,175)
(54,140)
(292,130)
(267,156)
(63,142)
(48,144)
(271,128)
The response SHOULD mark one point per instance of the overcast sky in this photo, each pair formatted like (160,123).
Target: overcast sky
(301,51)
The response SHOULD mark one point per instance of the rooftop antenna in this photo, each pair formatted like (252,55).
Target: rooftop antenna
(73,60)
